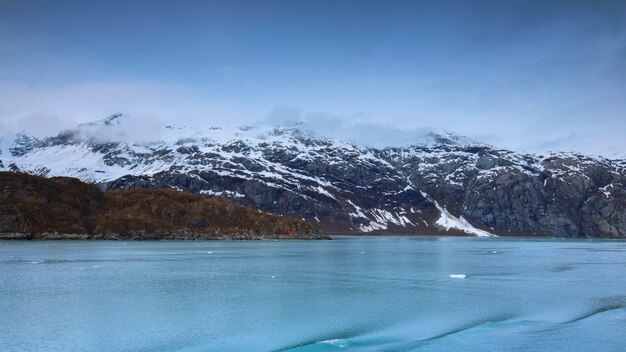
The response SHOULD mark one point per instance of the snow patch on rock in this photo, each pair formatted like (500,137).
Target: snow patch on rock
(449,221)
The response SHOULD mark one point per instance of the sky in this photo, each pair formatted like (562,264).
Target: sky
(527,75)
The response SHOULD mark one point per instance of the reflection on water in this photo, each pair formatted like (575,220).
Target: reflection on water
(361,294)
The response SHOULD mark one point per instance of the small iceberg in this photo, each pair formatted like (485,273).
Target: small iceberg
(341,343)
(458,276)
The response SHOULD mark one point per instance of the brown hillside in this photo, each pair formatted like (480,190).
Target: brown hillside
(35,207)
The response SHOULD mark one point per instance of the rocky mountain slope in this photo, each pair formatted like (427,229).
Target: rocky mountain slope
(447,185)
(33,207)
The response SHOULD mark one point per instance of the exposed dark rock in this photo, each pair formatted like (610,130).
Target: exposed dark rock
(23,144)
(346,188)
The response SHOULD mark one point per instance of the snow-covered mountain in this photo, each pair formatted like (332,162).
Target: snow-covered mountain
(446,185)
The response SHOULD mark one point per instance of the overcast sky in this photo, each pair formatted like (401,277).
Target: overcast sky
(528,75)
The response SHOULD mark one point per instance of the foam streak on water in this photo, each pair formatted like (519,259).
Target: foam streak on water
(350,294)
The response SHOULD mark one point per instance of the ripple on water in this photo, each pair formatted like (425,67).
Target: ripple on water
(350,294)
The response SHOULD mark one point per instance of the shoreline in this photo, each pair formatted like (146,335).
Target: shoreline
(21,237)
(164,238)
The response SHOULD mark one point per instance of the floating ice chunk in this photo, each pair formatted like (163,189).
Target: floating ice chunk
(494,252)
(362,252)
(458,276)
(341,343)
(209,252)
(273,276)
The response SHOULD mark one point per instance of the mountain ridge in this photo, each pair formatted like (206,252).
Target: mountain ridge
(443,186)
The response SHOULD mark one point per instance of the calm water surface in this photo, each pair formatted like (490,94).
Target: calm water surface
(361,294)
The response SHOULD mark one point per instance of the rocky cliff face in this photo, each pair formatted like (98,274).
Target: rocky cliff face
(444,186)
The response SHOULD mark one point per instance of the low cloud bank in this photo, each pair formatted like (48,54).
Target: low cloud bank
(354,128)
(45,111)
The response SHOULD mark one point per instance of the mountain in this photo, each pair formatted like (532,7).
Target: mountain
(446,185)
(33,207)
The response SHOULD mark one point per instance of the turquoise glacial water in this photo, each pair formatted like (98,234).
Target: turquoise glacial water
(350,294)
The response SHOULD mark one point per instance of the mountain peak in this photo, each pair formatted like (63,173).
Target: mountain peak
(23,144)
(107,121)
(450,138)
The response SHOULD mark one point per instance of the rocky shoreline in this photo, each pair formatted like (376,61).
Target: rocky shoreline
(169,237)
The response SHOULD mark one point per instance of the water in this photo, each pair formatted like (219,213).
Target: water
(362,294)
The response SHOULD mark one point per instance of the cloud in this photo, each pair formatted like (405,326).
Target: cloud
(590,120)
(134,129)
(284,115)
(42,109)
(41,125)
(354,128)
